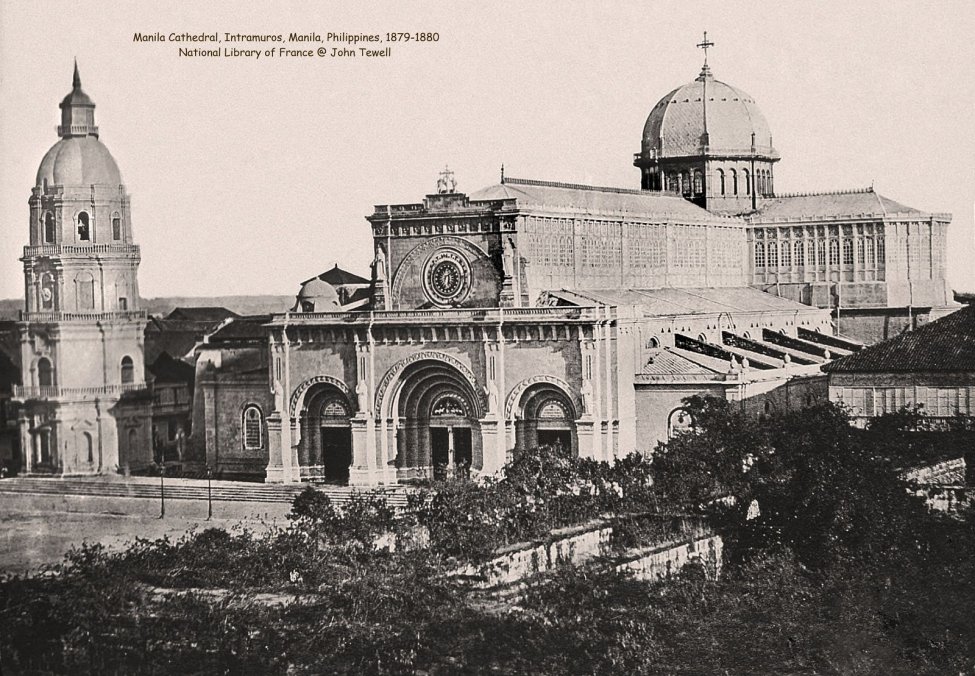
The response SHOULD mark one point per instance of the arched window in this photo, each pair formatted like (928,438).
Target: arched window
(759,255)
(773,255)
(834,252)
(116,227)
(734,182)
(86,291)
(821,252)
(653,343)
(89,446)
(869,247)
(748,181)
(47,291)
(685,179)
(45,372)
(880,250)
(847,252)
(128,370)
(698,183)
(721,180)
(860,253)
(48,228)
(701,337)
(680,420)
(252,425)
(786,255)
(800,252)
(673,183)
(84,227)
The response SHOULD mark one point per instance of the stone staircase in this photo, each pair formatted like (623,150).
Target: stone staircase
(186,489)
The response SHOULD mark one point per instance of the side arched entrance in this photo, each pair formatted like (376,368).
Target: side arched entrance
(325,448)
(545,415)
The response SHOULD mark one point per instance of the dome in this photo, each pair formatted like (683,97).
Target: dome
(317,295)
(675,126)
(78,160)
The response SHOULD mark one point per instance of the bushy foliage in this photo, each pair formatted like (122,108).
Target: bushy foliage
(541,490)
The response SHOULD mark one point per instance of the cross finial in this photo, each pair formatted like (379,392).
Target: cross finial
(705,45)
(446,183)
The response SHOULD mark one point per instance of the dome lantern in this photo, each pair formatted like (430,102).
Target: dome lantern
(77,111)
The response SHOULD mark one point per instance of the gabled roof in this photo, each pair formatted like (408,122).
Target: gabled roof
(676,361)
(595,200)
(669,301)
(944,345)
(201,314)
(864,203)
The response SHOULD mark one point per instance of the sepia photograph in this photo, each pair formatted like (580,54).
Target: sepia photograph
(416,337)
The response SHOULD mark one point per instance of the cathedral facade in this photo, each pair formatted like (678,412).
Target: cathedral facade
(524,313)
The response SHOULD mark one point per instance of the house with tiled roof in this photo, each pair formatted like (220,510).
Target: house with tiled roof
(931,367)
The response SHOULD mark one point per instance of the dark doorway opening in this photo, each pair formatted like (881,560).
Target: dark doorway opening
(560,439)
(439,451)
(336,454)
(463,448)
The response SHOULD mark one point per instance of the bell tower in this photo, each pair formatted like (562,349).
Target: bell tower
(85,408)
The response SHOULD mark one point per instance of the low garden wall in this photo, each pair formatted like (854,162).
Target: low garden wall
(593,541)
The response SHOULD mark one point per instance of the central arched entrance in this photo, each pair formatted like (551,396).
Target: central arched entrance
(437,421)
(325,450)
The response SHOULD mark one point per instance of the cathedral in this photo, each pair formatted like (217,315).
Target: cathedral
(524,313)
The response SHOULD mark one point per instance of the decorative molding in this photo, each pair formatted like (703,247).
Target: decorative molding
(427,355)
(297,398)
(421,250)
(515,396)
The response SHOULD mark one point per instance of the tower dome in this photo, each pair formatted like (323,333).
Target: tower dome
(79,158)
(710,143)
(707,116)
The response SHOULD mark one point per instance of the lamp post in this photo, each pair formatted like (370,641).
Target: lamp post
(209,495)
(162,488)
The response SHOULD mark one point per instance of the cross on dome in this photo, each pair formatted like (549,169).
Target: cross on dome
(705,45)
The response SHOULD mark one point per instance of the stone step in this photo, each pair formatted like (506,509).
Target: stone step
(138,487)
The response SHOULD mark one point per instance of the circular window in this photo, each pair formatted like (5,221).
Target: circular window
(447,277)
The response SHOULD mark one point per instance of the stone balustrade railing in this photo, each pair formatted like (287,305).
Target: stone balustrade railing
(47,317)
(56,391)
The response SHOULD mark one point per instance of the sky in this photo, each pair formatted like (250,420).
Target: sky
(248,176)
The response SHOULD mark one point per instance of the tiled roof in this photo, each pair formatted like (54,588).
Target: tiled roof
(593,200)
(247,328)
(201,314)
(668,301)
(862,203)
(947,344)
(166,369)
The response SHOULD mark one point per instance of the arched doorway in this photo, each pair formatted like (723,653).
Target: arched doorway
(436,416)
(546,417)
(325,451)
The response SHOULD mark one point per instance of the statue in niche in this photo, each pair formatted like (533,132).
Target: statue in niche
(492,396)
(379,265)
(278,395)
(587,396)
(362,395)
(508,258)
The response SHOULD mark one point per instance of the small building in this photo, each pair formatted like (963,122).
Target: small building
(932,368)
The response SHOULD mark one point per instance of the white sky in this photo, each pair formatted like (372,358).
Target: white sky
(248,176)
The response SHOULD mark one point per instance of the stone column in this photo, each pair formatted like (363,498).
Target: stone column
(492,447)
(275,450)
(362,471)
(588,443)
